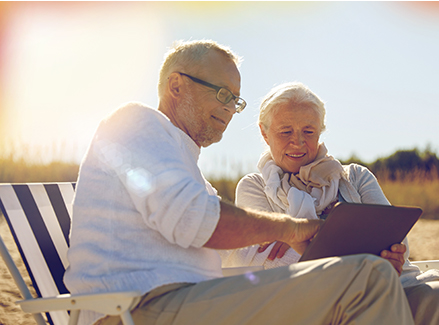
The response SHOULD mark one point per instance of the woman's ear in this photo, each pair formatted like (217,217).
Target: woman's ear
(175,84)
(264,134)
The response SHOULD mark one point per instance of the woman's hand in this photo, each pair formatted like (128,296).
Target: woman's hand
(278,251)
(395,256)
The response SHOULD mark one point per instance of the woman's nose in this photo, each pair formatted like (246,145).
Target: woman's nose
(296,139)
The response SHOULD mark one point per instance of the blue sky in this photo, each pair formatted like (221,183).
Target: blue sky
(375,64)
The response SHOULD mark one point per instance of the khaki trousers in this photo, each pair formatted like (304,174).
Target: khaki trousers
(360,289)
(424,303)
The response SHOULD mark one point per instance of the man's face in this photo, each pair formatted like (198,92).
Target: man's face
(204,117)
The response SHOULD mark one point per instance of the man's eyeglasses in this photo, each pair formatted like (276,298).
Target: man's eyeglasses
(223,95)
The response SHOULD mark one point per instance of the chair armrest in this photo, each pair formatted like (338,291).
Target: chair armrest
(113,303)
(426,265)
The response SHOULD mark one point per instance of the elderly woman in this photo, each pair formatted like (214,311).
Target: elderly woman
(298,177)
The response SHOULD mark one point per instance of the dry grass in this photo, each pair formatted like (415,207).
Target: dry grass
(28,166)
(20,171)
(414,192)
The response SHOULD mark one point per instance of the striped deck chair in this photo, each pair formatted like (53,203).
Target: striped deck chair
(38,216)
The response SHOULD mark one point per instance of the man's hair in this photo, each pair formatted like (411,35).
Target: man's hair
(295,94)
(187,56)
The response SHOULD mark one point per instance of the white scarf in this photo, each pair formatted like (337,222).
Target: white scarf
(321,180)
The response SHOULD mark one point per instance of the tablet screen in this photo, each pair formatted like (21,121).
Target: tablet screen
(352,228)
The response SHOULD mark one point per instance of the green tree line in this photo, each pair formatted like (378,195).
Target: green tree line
(403,164)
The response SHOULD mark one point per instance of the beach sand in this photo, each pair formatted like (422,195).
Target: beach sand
(423,241)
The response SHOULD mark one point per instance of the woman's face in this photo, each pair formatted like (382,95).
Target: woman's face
(293,137)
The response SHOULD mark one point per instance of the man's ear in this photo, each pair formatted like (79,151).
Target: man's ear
(175,84)
(264,134)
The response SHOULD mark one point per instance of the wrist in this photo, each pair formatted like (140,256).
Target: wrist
(288,226)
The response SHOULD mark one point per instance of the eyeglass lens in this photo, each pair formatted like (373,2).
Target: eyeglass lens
(225,96)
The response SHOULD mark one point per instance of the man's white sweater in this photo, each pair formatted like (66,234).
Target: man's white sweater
(142,209)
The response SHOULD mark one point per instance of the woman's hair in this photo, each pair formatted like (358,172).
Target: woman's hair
(187,56)
(295,94)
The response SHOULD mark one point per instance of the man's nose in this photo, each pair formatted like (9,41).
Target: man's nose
(230,107)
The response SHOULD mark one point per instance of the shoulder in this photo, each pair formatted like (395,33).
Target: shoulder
(360,177)
(249,188)
(135,119)
(250,181)
(134,113)
(250,192)
(355,171)
(366,184)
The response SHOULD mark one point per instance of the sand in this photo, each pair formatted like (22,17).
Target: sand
(10,313)
(423,240)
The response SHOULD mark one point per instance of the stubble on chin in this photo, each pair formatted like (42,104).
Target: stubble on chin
(210,139)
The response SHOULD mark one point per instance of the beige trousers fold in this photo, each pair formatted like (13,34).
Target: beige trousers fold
(360,289)
(424,302)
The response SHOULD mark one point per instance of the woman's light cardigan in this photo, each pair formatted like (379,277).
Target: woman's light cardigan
(250,193)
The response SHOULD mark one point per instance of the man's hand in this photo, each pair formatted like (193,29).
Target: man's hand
(303,230)
(301,233)
(395,256)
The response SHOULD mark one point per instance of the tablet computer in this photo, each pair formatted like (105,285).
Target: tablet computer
(352,228)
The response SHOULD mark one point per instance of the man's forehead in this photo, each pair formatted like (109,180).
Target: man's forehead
(221,70)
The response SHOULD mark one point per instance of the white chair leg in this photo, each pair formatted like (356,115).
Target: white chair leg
(39,319)
(74,317)
(18,279)
(126,318)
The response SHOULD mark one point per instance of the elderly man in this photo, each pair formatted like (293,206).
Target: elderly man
(144,218)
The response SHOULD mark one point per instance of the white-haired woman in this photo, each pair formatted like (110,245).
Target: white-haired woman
(298,177)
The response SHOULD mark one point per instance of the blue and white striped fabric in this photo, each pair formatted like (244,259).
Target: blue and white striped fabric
(39,218)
